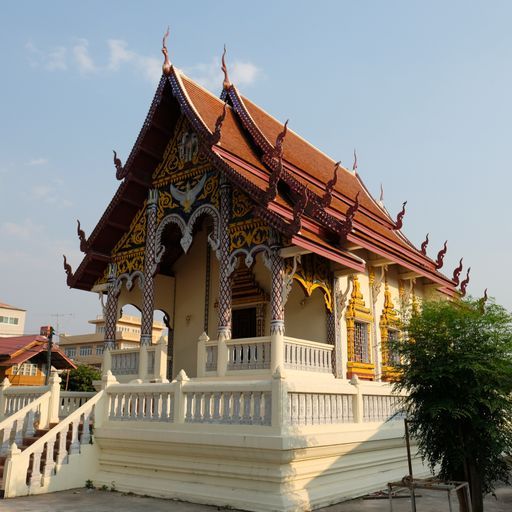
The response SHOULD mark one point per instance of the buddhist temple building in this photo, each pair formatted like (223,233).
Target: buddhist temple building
(281,280)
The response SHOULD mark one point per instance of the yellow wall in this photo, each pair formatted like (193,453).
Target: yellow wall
(306,317)
(190,273)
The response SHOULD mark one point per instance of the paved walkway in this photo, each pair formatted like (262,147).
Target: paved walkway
(81,500)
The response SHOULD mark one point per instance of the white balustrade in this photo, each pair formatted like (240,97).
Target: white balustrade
(125,362)
(320,408)
(211,357)
(130,402)
(70,401)
(307,355)
(17,397)
(21,423)
(381,408)
(249,354)
(229,407)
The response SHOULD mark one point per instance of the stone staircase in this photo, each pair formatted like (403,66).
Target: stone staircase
(46,435)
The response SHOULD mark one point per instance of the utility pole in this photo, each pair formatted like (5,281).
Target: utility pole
(48,331)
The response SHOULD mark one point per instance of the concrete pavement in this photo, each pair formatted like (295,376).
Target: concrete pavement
(93,500)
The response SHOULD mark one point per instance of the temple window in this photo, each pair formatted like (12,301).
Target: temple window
(361,342)
(389,333)
(359,319)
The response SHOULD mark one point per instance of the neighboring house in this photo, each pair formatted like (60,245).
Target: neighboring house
(88,348)
(23,360)
(12,320)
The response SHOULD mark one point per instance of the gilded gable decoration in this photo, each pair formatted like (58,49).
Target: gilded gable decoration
(359,318)
(314,272)
(182,154)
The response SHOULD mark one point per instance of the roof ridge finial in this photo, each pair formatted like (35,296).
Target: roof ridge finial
(298,210)
(84,244)
(465,283)
(381,198)
(278,149)
(120,170)
(166,66)
(327,198)
(226,84)
(482,302)
(354,165)
(456,273)
(215,137)
(68,270)
(400,217)
(349,219)
(440,255)
(424,246)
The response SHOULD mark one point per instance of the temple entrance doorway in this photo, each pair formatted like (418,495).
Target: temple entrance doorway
(244,323)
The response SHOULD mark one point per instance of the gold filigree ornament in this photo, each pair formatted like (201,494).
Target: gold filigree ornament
(242,205)
(136,234)
(246,234)
(313,272)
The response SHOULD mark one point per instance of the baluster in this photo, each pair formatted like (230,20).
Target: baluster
(61,450)
(75,445)
(49,464)
(18,437)
(328,409)
(120,403)
(140,405)
(188,415)
(198,397)
(235,418)
(216,407)
(268,408)
(171,407)
(302,409)
(207,404)
(35,477)
(6,436)
(164,413)
(86,428)
(293,407)
(133,406)
(226,410)
(246,419)
(30,423)
(309,409)
(315,408)
(256,418)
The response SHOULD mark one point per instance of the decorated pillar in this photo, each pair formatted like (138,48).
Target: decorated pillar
(148,298)
(111,309)
(224,311)
(110,317)
(276,265)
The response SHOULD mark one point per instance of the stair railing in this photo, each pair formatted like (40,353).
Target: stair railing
(27,471)
(22,423)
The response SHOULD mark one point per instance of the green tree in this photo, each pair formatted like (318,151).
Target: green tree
(81,378)
(457,370)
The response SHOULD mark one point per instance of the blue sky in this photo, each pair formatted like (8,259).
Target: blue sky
(421,89)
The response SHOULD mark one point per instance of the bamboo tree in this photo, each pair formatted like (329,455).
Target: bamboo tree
(456,366)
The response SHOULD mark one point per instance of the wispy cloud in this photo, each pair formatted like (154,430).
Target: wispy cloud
(82,58)
(79,56)
(51,60)
(209,75)
(149,67)
(37,161)
(50,194)
(21,230)
(120,58)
